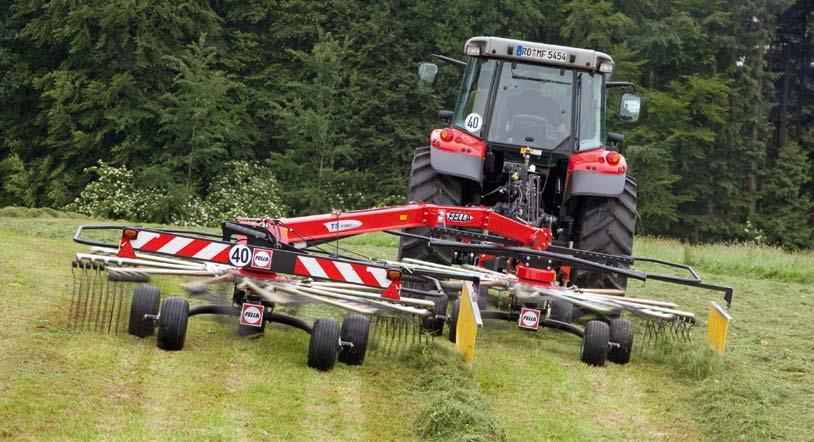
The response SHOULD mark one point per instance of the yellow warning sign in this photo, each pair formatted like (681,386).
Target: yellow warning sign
(717,327)
(469,320)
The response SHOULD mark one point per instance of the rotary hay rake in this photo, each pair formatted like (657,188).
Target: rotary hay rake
(275,272)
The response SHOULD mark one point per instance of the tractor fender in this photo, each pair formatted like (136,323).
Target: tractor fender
(457,153)
(591,174)
(456,164)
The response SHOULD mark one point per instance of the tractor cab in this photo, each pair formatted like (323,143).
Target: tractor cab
(527,138)
(522,94)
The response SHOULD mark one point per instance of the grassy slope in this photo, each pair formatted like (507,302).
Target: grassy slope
(58,383)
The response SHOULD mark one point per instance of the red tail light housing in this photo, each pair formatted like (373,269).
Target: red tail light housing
(451,139)
(613,158)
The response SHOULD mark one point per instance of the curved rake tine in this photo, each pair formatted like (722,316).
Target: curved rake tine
(87,293)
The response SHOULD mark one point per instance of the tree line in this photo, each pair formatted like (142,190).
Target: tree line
(321,95)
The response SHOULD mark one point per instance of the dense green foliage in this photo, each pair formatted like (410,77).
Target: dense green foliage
(322,94)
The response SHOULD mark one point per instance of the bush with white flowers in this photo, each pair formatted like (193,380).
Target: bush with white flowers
(243,189)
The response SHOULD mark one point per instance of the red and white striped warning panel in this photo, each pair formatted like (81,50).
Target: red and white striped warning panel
(181,246)
(341,271)
(261,259)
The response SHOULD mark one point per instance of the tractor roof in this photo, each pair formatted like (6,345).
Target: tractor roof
(539,53)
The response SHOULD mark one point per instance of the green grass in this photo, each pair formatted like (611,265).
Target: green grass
(56,383)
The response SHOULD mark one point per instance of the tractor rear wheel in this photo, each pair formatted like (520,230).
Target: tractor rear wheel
(606,225)
(429,186)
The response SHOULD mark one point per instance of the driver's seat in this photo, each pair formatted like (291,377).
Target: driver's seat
(526,125)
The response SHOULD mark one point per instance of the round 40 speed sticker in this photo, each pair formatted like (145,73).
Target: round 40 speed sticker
(473,122)
(240,255)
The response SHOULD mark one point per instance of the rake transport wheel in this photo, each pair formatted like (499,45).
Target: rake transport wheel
(621,332)
(453,320)
(562,311)
(324,344)
(355,329)
(429,186)
(172,323)
(433,324)
(146,299)
(483,298)
(595,340)
(606,225)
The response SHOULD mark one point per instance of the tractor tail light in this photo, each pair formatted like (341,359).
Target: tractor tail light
(613,158)
(446,134)
(394,275)
(130,234)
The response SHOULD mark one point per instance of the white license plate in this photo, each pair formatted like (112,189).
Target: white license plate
(542,54)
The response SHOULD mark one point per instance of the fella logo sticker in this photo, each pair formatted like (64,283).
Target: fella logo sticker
(251,315)
(261,259)
(529,318)
(459,217)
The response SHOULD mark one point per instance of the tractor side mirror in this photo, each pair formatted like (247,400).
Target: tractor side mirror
(616,140)
(427,75)
(630,107)
(445,115)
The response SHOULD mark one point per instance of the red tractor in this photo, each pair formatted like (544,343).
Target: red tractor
(527,138)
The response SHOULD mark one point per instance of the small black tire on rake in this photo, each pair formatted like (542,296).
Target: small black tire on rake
(324,344)
(146,299)
(483,297)
(621,332)
(562,311)
(595,342)
(453,320)
(433,324)
(172,324)
(355,329)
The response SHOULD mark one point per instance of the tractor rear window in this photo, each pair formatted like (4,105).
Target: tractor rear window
(471,107)
(532,106)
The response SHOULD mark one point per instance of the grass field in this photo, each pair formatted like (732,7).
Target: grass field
(56,383)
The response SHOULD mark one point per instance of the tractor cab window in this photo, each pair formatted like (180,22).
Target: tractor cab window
(591,111)
(471,107)
(532,106)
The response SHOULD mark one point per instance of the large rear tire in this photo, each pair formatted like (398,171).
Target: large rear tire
(429,186)
(606,225)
